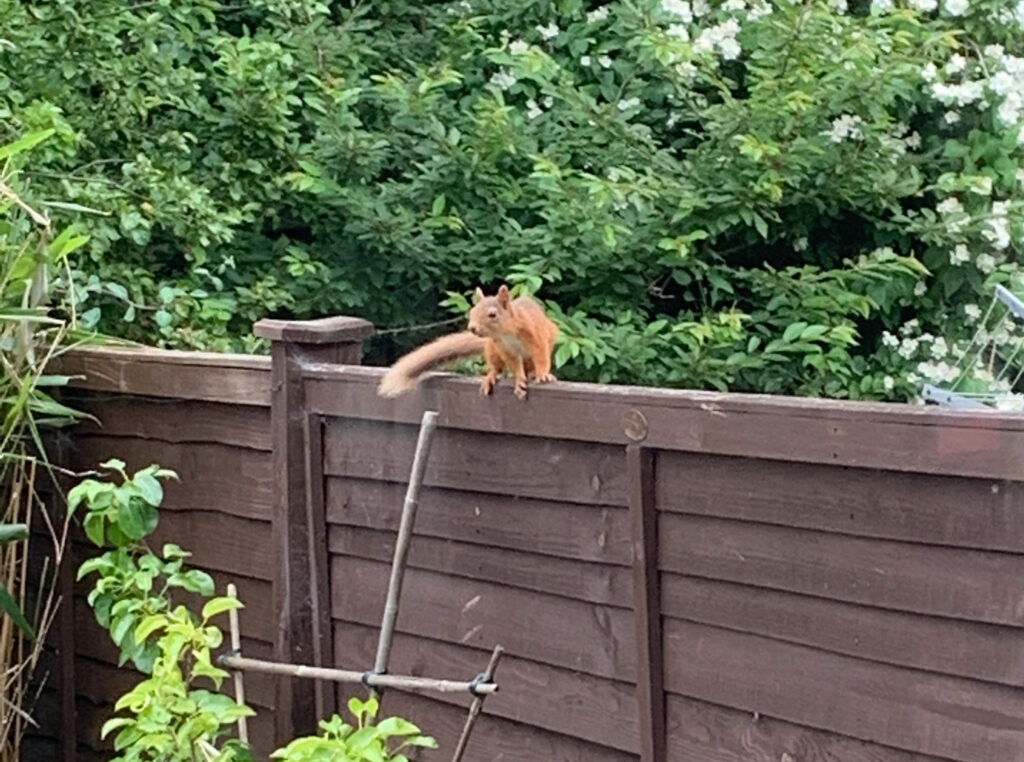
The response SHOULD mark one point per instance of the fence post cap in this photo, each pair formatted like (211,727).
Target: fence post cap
(329,330)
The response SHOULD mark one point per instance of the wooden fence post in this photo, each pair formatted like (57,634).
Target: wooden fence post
(301,605)
(650,683)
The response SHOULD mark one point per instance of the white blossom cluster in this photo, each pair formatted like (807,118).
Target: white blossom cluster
(845,127)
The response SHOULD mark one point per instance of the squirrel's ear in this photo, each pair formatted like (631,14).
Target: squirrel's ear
(478,295)
(503,296)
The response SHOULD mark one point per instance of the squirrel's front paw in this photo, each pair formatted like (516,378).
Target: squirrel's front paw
(521,391)
(547,378)
(487,385)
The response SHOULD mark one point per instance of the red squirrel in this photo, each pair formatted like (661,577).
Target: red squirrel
(512,334)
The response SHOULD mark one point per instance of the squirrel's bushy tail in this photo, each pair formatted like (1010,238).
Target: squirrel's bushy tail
(407,371)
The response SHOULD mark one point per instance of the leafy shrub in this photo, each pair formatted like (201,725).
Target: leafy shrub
(741,194)
(172,715)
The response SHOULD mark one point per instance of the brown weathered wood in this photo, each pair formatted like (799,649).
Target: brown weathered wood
(540,696)
(949,717)
(947,646)
(961,584)
(591,582)
(506,465)
(650,688)
(320,596)
(702,732)
(894,437)
(173,420)
(589,638)
(494,738)
(237,379)
(970,513)
(564,530)
(213,477)
(293,642)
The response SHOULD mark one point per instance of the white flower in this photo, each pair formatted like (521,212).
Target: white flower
(950,205)
(995,51)
(734,6)
(889,340)
(973,312)
(686,70)
(550,31)
(997,233)
(584,60)
(721,37)
(680,31)
(960,255)
(548,101)
(1010,402)
(800,244)
(839,6)
(628,103)
(703,8)
(503,79)
(957,7)
(951,117)
(881,7)
(912,141)
(924,6)
(1020,177)
(910,327)
(605,61)
(679,8)
(759,10)
(957,63)
(920,288)
(888,383)
(518,47)
(962,94)
(598,14)
(730,49)
(929,72)
(533,110)
(846,126)
(908,348)
(939,348)
(986,263)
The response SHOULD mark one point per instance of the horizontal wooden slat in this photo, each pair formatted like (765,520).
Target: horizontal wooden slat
(894,437)
(493,739)
(213,477)
(550,469)
(238,379)
(540,696)
(590,638)
(565,530)
(917,711)
(971,513)
(596,583)
(948,646)
(703,732)
(172,420)
(962,584)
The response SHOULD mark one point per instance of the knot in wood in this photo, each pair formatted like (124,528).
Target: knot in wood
(634,424)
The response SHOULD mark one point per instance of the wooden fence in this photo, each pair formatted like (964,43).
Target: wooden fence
(675,575)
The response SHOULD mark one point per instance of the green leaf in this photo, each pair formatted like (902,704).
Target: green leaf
(13,532)
(793,331)
(150,487)
(10,606)
(25,142)
(220,605)
(94,528)
(113,724)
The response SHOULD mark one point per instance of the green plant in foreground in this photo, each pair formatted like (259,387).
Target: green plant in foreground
(177,713)
(362,742)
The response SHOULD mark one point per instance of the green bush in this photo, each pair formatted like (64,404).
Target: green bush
(743,195)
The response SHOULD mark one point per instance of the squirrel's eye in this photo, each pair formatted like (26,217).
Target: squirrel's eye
(492,313)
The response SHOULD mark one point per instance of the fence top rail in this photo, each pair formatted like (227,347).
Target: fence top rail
(709,401)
